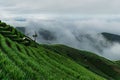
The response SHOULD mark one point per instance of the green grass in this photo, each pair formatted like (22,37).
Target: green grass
(20,60)
(99,65)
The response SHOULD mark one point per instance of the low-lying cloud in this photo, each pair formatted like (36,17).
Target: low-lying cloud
(82,33)
(113,52)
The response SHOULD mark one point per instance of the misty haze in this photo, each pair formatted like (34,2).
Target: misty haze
(83,33)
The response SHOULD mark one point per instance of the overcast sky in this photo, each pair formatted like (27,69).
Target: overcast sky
(91,10)
(61,7)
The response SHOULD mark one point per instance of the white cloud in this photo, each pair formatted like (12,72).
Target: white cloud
(113,52)
(61,6)
(80,34)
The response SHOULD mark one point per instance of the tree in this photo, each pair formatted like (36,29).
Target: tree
(35,36)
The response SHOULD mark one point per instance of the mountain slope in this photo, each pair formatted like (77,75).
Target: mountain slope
(23,59)
(96,64)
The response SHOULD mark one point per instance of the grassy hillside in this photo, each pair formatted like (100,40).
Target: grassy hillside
(99,65)
(23,59)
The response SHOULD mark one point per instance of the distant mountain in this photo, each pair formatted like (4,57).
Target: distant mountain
(111,37)
(46,34)
(96,42)
(49,35)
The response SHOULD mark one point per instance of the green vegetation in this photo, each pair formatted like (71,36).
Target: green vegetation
(10,32)
(19,62)
(93,62)
(24,59)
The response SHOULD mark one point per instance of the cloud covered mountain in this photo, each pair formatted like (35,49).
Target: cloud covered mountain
(74,35)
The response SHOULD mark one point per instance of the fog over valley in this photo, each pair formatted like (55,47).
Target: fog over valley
(82,33)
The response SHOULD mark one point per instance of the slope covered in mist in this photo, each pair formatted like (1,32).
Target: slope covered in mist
(70,35)
(21,59)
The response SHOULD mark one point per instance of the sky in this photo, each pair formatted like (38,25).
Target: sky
(59,7)
(95,14)
(100,14)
